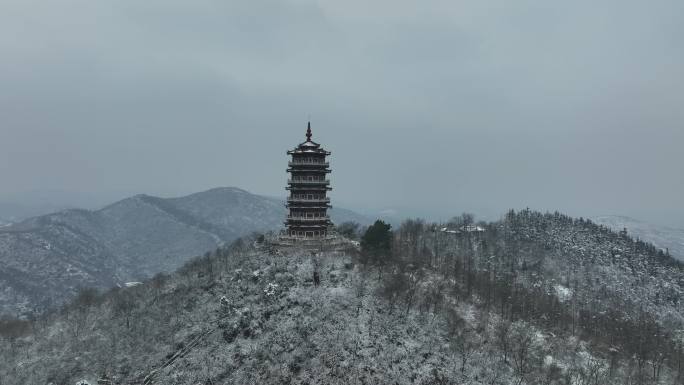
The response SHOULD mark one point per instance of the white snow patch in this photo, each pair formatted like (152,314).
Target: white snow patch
(563,293)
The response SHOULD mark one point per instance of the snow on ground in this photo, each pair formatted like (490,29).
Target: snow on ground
(563,293)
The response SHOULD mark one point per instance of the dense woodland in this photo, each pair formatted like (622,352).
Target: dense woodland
(567,277)
(531,299)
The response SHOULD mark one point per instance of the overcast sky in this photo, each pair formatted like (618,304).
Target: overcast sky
(431,107)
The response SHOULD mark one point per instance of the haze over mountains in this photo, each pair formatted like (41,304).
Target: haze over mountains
(15,207)
(45,259)
(663,237)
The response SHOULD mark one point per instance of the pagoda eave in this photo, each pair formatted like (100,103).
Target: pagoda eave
(308,207)
(312,188)
(327,170)
(309,151)
(315,224)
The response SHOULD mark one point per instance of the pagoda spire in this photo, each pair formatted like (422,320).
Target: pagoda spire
(308,132)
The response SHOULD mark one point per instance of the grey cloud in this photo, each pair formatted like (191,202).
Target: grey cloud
(434,107)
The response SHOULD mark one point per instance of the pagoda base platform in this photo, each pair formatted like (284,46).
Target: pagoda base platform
(328,243)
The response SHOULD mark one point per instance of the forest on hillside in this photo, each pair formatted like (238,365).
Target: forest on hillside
(569,277)
(531,299)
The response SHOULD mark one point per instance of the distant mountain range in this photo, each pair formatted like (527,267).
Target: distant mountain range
(45,259)
(661,236)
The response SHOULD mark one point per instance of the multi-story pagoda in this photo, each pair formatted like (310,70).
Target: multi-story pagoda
(307,203)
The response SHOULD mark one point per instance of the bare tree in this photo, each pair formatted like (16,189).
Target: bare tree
(393,286)
(413,282)
(521,344)
(502,335)
(465,344)
(124,305)
(84,301)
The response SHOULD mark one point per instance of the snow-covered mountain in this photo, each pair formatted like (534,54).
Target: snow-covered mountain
(44,260)
(661,236)
(533,299)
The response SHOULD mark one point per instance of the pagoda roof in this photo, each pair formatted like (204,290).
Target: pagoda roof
(308,146)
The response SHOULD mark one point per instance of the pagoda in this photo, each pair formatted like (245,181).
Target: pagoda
(307,202)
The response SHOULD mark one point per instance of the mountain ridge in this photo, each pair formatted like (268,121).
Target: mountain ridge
(128,240)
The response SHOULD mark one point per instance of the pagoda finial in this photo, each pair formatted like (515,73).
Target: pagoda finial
(308,132)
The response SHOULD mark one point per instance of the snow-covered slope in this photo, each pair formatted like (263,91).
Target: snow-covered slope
(258,320)
(535,299)
(661,236)
(44,260)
